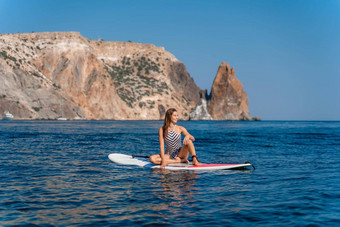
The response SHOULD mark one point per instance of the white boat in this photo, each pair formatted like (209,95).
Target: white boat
(7,116)
(62,119)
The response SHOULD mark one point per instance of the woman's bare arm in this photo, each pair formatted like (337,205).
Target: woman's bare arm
(187,135)
(161,145)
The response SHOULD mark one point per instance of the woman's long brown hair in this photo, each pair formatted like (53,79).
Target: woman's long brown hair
(167,121)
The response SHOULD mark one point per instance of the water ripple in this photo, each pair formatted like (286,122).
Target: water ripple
(58,173)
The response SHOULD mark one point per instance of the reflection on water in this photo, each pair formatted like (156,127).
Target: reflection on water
(178,187)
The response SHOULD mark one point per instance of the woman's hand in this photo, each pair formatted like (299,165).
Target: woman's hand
(163,164)
(186,139)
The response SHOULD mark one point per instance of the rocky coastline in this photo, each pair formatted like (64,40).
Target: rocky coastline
(64,75)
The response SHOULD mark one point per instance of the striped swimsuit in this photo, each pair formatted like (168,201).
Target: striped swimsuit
(173,143)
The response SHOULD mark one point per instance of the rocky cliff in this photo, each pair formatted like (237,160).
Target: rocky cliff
(52,74)
(227,100)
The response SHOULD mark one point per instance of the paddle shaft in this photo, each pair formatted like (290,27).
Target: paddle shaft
(140,156)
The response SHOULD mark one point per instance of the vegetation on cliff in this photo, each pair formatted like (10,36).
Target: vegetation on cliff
(133,80)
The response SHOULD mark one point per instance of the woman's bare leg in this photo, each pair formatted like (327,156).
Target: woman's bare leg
(184,153)
(156,159)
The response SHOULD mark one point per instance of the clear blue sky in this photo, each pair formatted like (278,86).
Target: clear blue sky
(286,53)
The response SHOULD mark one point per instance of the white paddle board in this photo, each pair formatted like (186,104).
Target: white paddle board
(124,159)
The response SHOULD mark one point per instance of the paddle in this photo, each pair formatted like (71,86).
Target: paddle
(140,156)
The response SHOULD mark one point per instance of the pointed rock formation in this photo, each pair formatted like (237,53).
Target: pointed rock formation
(228,100)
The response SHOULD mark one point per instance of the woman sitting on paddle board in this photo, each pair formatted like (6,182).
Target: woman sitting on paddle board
(171,135)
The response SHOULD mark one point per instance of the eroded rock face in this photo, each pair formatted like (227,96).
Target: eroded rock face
(228,100)
(62,74)
(200,112)
(53,74)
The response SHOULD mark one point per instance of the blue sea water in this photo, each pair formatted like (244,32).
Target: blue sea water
(58,174)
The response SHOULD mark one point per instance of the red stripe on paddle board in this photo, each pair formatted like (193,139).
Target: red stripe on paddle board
(212,165)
